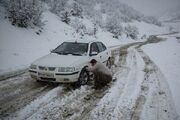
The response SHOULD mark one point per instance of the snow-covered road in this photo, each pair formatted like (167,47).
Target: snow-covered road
(140,92)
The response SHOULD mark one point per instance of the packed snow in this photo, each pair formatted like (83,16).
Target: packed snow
(166,56)
(147,82)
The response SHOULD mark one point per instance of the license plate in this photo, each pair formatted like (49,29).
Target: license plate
(49,75)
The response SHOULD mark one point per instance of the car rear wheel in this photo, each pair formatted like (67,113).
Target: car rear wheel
(108,63)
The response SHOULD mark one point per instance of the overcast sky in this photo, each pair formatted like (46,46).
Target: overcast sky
(154,7)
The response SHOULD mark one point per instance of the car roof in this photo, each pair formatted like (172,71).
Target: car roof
(82,41)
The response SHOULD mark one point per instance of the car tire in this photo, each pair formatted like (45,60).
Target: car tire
(108,63)
(83,77)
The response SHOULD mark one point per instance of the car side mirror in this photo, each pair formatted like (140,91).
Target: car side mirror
(93,53)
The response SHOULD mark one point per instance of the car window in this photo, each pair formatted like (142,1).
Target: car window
(104,47)
(101,46)
(94,48)
(73,48)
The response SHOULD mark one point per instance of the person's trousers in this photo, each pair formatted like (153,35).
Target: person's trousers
(101,80)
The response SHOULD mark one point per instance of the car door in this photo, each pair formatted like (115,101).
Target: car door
(103,53)
(94,49)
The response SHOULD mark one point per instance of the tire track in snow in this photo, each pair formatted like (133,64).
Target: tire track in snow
(34,105)
(63,106)
(107,105)
(151,102)
(19,91)
(9,108)
(90,100)
(130,93)
(154,101)
(13,87)
(159,105)
(136,99)
(75,104)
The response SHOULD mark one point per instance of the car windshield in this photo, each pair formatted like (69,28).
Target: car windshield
(74,48)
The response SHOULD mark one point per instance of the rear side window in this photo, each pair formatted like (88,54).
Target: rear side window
(101,46)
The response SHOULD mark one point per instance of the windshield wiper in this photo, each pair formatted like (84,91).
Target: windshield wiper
(77,54)
(66,53)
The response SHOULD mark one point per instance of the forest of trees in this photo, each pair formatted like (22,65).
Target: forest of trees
(106,14)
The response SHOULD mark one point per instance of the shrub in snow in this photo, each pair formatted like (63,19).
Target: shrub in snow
(92,31)
(24,13)
(57,6)
(66,9)
(87,7)
(97,19)
(79,27)
(113,26)
(152,20)
(65,16)
(131,31)
(76,9)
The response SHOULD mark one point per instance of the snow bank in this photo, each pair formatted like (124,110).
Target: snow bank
(166,55)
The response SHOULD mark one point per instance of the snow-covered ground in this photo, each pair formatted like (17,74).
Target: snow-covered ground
(140,92)
(166,56)
(143,89)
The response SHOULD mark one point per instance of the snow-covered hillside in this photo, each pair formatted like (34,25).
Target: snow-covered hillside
(170,17)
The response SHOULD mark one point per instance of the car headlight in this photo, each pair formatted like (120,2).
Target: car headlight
(33,66)
(66,69)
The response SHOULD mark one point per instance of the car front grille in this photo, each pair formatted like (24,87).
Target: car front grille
(47,68)
(51,68)
(42,68)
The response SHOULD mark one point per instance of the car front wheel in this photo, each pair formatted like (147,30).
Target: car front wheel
(83,77)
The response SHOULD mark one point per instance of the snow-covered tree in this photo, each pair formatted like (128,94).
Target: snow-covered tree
(97,18)
(131,31)
(151,20)
(65,16)
(76,9)
(114,26)
(79,27)
(57,6)
(24,13)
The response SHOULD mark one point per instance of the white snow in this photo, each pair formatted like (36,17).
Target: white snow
(167,57)
(19,47)
(38,103)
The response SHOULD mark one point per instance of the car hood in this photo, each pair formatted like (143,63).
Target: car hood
(55,60)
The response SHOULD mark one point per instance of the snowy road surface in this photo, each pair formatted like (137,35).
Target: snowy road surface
(140,92)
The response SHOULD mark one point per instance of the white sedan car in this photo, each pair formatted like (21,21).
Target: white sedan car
(66,63)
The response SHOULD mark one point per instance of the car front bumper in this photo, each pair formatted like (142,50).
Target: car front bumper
(54,77)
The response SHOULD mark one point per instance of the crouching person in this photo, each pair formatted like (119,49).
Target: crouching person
(102,75)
